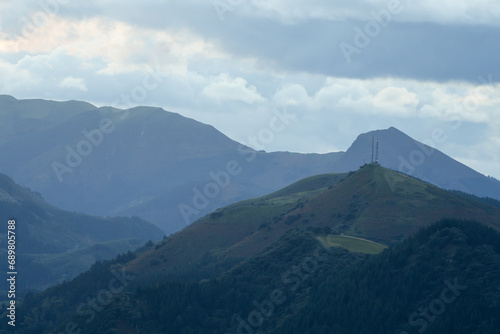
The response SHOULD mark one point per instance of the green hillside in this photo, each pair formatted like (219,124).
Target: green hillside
(445,279)
(305,240)
(373,203)
(297,286)
(385,206)
(223,232)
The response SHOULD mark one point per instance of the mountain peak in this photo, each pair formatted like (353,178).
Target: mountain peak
(393,129)
(383,205)
(398,151)
(390,133)
(373,203)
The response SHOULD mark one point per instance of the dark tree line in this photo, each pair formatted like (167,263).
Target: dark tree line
(445,279)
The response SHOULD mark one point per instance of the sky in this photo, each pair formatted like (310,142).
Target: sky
(334,68)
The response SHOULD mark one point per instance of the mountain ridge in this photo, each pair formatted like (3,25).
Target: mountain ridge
(373,203)
(144,161)
(400,152)
(287,241)
(154,164)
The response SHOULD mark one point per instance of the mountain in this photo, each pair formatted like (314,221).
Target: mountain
(53,245)
(284,255)
(443,279)
(383,205)
(165,168)
(52,310)
(171,170)
(373,203)
(399,152)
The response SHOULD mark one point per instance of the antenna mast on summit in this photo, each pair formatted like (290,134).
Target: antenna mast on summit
(376,154)
(373,142)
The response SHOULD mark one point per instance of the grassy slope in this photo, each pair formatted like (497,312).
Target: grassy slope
(373,203)
(224,228)
(352,244)
(383,206)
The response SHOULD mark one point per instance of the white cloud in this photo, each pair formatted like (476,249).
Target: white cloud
(71,82)
(293,94)
(15,78)
(395,100)
(341,92)
(410,98)
(224,88)
(89,48)
(111,47)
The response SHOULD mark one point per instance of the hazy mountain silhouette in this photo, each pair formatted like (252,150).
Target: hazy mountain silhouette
(171,170)
(142,161)
(400,152)
(53,245)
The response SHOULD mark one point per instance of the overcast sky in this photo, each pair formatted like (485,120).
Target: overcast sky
(339,67)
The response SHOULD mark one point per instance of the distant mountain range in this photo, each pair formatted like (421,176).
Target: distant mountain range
(399,152)
(158,165)
(53,245)
(171,170)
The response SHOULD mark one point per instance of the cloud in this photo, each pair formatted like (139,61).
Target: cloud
(15,78)
(71,82)
(446,11)
(478,12)
(418,73)
(293,94)
(395,100)
(126,37)
(224,88)
(112,47)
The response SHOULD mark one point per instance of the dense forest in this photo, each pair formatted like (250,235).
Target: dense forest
(444,279)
